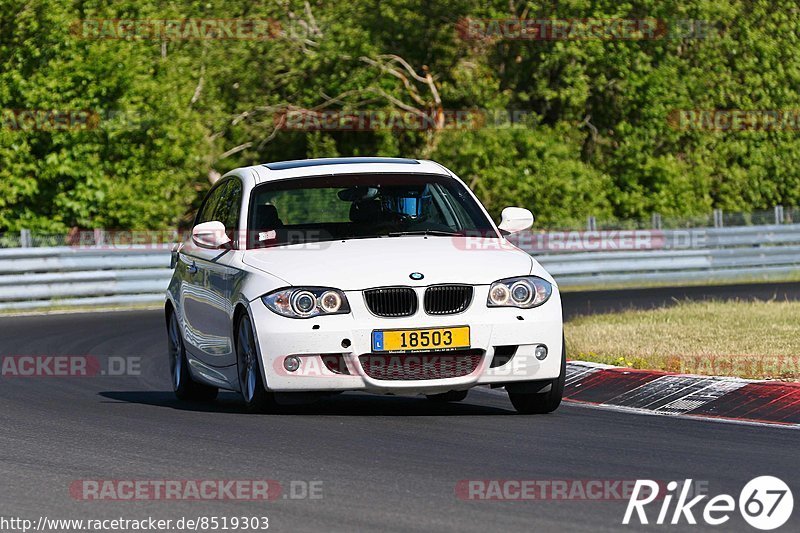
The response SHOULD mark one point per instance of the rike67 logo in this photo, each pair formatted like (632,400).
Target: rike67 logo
(765,503)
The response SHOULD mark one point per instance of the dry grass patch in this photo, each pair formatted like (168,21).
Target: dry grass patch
(733,338)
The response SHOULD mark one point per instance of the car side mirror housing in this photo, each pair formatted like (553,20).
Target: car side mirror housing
(515,219)
(210,235)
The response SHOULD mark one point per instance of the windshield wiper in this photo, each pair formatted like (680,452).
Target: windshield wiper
(434,232)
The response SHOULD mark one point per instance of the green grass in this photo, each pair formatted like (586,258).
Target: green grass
(733,338)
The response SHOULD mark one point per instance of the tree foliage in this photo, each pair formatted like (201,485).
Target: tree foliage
(170,115)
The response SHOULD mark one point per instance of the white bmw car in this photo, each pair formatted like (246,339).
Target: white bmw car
(302,279)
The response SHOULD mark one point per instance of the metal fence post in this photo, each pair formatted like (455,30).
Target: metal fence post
(656,221)
(99,237)
(25,239)
(778,214)
(591,223)
(717,218)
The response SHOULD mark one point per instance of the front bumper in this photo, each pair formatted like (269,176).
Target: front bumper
(349,336)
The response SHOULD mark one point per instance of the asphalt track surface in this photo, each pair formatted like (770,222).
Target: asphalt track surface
(385,463)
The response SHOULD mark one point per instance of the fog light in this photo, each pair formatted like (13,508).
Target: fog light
(540,352)
(291,363)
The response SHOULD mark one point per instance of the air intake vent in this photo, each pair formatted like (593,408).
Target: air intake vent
(447,299)
(419,366)
(502,355)
(391,301)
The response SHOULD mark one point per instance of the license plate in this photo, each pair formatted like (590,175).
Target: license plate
(401,340)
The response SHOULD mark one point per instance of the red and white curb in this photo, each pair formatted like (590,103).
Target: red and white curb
(654,392)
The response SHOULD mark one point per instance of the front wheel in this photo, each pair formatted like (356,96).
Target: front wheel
(542,402)
(183,385)
(255,395)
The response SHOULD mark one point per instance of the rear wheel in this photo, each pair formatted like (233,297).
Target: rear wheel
(255,395)
(183,385)
(542,402)
(449,396)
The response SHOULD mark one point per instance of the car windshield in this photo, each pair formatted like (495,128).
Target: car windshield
(362,206)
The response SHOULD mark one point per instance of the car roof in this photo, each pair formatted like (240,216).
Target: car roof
(302,163)
(345,165)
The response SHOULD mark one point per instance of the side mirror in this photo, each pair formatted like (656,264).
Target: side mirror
(210,235)
(515,219)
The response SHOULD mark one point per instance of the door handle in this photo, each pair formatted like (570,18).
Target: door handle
(192,268)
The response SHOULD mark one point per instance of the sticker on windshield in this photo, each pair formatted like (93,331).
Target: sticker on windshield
(266,235)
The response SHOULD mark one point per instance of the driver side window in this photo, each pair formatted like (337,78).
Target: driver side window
(209,207)
(228,207)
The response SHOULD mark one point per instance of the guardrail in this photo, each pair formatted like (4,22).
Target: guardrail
(654,256)
(33,278)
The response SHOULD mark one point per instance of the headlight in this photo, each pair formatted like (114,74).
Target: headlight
(307,302)
(523,292)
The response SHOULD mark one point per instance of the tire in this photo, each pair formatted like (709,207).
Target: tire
(449,396)
(183,385)
(542,402)
(257,399)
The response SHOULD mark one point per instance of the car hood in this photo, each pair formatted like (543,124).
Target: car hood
(357,264)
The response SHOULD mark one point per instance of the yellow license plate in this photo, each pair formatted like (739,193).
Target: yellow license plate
(401,340)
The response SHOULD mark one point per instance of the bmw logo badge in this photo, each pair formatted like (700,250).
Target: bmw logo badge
(416,276)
